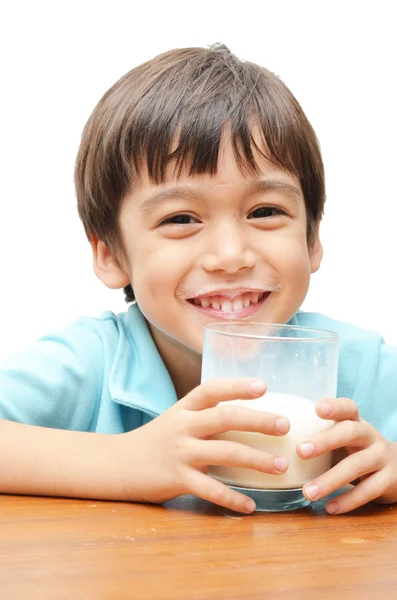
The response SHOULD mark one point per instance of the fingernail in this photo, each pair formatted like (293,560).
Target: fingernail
(312,491)
(326,409)
(282,425)
(280,464)
(307,449)
(250,506)
(332,508)
(258,386)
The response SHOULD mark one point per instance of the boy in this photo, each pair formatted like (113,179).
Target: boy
(200,186)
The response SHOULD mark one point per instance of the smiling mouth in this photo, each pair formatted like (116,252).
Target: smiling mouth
(223,304)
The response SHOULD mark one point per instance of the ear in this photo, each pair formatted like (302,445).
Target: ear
(316,252)
(106,266)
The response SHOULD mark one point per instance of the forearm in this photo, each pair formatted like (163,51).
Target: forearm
(53,462)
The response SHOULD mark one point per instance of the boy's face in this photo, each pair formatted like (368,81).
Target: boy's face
(204,248)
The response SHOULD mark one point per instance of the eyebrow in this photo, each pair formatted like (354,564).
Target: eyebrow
(269,185)
(191,193)
(173,193)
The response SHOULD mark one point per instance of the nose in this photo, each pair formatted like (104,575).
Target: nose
(228,250)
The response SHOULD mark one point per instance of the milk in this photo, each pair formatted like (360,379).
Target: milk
(304,423)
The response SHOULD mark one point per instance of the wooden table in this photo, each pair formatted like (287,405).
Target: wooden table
(55,548)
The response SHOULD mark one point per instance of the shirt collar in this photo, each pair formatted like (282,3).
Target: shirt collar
(139,378)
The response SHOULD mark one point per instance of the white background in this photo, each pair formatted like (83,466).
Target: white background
(58,58)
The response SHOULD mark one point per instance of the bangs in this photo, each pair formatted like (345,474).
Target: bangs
(183,120)
(187,134)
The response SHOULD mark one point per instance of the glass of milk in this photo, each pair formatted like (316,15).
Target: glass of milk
(299,366)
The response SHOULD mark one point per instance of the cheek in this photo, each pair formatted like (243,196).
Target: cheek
(293,272)
(292,262)
(156,273)
(297,263)
(290,252)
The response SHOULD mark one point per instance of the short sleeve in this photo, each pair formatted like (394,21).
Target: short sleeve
(57,382)
(379,387)
(368,375)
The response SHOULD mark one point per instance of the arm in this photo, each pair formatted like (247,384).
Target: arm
(52,462)
(49,394)
(161,460)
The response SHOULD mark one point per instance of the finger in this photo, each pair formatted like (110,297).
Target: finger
(354,466)
(367,490)
(237,418)
(211,489)
(214,391)
(222,452)
(337,409)
(353,434)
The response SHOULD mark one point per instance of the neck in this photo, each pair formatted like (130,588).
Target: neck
(182,364)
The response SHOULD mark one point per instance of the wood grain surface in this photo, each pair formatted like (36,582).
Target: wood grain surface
(187,548)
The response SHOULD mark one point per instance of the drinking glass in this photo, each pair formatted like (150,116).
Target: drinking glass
(299,366)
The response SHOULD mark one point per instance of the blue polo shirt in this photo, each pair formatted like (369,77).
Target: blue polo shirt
(105,374)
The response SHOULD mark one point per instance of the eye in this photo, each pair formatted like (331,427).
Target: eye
(264,212)
(180,220)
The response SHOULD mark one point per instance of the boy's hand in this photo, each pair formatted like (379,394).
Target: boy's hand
(171,454)
(370,458)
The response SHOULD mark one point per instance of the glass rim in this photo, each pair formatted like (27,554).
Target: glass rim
(323,335)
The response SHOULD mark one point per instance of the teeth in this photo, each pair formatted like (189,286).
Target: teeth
(226,306)
(216,302)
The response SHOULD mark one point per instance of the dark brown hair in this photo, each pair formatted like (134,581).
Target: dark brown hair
(175,108)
